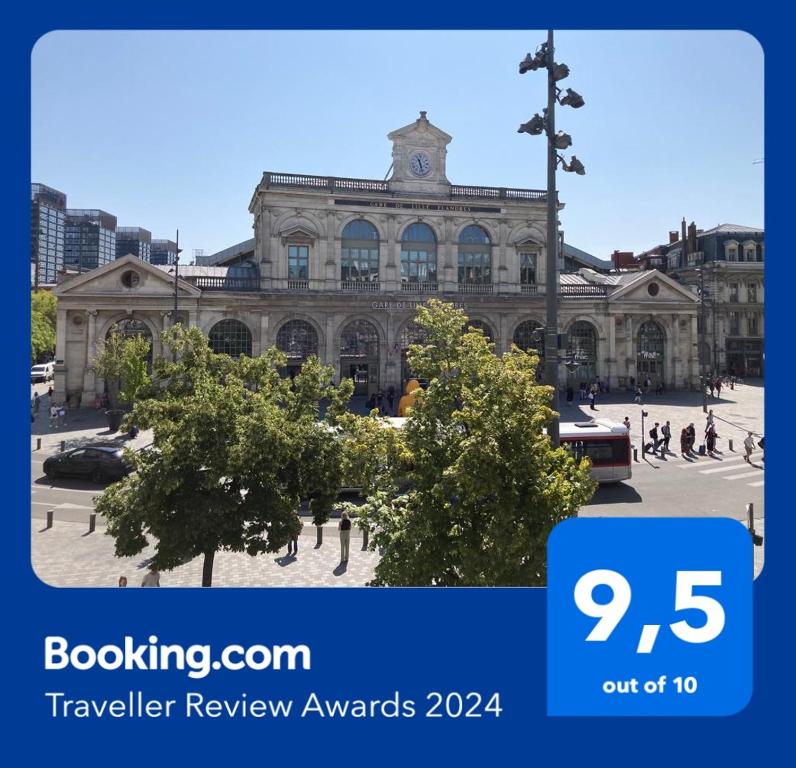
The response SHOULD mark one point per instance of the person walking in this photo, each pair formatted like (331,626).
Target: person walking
(152,577)
(684,443)
(122,581)
(666,431)
(639,394)
(292,542)
(654,437)
(710,439)
(709,419)
(53,416)
(36,403)
(345,536)
(626,422)
(592,398)
(718,389)
(749,446)
(762,445)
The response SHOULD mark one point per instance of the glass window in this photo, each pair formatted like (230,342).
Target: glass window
(528,267)
(650,359)
(735,324)
(753,327)
(603,453)
(475,255)
(359,339)
(732,253)
(231,337)
(582,352)
(298,260)
(529,335)
(418,254)
(751,292)
(734,292)
(297,339)
(359,256)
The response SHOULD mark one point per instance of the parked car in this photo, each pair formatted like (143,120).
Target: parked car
(98,463)
(42,372)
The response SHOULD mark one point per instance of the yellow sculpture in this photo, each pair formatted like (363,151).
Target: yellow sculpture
(407,401)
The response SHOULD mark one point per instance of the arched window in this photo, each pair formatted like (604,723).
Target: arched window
(480,325)
(530,335)
(411,334)
(359,356)
(651,349)
(230,337)
(297,339)
(418,254)
(475,256)
(129,328)
(359,255)
(582,352)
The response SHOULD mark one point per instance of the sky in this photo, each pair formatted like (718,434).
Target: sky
(171,130)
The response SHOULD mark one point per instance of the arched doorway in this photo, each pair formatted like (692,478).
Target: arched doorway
(483,326)
(298,340)
(128,328)
(529,336)
(230,337)
(581,353)
(651,353)
(359,356)
(411,334)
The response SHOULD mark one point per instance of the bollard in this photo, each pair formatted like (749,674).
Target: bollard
(729,443)
(365,538)
(92,522)
(320,535)
(63,445)
(635,453)
(50,518)
(750,514)
(38,443)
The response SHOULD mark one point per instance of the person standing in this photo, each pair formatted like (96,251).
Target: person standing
(626,422)
(152,577)
(292,542)
(710,439)
(345,536)
(749,446)
(666,431)
(709,420)
(684,443)
(718,389)
(53,416)
(654,437)
(122,581)
(691,437)
(592,398)
(638,396)
(36,403)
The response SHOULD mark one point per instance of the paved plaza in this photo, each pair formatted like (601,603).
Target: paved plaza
(67,555)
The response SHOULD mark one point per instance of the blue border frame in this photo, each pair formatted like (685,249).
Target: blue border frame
(366,643)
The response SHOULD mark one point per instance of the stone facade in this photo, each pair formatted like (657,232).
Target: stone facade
(485,253)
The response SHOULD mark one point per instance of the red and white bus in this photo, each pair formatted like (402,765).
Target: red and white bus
(606,443)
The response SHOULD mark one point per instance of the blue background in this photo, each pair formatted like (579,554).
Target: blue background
(370,642)
(648,553)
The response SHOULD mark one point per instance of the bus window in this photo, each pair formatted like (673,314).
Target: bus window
(603,453)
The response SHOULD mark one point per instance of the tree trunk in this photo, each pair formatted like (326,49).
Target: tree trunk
(207,569)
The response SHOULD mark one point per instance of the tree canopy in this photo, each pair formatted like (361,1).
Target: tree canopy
(235,449)
(123,362)
(42,324)
(484,486)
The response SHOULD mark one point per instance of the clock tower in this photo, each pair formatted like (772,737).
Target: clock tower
(418,159)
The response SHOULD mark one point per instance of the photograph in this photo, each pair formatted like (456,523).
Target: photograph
(382,308)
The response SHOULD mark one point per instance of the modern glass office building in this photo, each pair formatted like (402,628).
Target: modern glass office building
(163,252)
(90,239)
(48,223)
(133,240)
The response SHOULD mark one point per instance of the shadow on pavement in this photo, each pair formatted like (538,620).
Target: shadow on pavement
(616,493)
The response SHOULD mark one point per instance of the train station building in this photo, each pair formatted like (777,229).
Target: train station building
(337,267)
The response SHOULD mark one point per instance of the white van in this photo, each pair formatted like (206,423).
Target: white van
(42,372)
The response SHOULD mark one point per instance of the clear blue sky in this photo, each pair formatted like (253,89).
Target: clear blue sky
(174,129)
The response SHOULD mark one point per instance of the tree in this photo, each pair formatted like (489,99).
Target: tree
(235,449)
(485,485)
(42,324)
(123,363)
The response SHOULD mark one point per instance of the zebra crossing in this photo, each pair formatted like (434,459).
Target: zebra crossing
(727,466)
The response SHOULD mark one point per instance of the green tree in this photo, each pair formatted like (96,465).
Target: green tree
(42,324)
(123,363)
(235,449)
(485,486)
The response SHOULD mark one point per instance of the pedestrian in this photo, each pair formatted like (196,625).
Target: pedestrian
(122,581)
(762,445)
(710,439)
(626,422)
(50,392)
(712,386)
(570,394)
(292,544)
(684,443)
(659,388)
(718,389)
(709,419)
(691,437)
(53,416)
(592,398)
(639,394)
(345,536)
(152,578)
(749,446)
(36,403)
(666,431)
(654,436)
(647,385)
(391,398)
(62,413)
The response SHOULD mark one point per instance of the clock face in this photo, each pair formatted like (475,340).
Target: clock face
(419,164)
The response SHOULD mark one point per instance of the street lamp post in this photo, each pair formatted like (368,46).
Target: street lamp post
(702,342)
(544,59)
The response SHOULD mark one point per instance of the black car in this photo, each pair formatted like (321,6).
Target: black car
(98,463)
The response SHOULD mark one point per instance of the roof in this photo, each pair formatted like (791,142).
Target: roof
(187,271)
(731,229)
(585,258)
(591,428)
(228,254)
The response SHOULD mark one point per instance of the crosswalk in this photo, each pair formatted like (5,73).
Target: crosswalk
(728,466)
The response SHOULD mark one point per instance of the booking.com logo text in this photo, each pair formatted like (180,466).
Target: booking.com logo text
(199,660)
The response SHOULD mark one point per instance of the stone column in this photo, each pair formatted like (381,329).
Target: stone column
(59,380)
(610,368)
(265,342)
(631,360)
(390,255)
(447,258)
(676,368)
